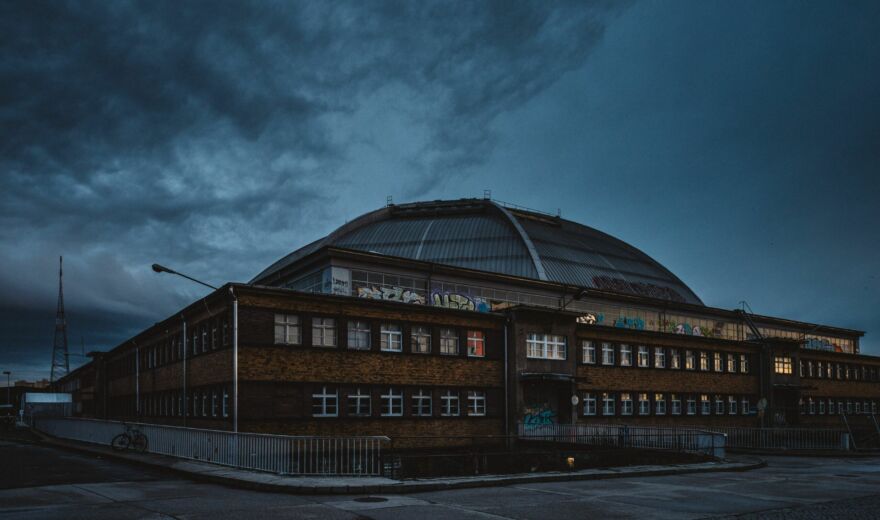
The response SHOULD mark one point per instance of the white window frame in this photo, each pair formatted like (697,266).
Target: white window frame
(450,404)
(391,337)
(821,406)
(626,403)
(659,357)
(643,359)
(590,404)
(675,404)
(704,361)
(719,405)
(691,405)
(731,363)
(420,339)
(626,355)
(705,404)
(546,346)
(588,352)
(476,343)
(392,403)
(476,405)
(659,404)
(674,359)
(355,403)
(782,365)
(288,329)
(607,353)
(745,406)
(325,403)
(608,404)
(644,404)
(731,405)
(359,335)
(717,362)
(422,403)
(449,342)
(323,332)
(743,363)
(690,360)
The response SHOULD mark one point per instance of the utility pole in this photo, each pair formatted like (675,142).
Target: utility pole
(60,357)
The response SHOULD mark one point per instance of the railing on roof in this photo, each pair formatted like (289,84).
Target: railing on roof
(510,205)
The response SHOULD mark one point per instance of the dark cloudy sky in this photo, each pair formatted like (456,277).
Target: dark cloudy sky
(738,143)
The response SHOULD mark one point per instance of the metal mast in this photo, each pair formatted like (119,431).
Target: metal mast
(60,361)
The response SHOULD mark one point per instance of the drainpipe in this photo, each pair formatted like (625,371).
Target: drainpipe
(185,397)
(137,380)
(506,399)
(234,361)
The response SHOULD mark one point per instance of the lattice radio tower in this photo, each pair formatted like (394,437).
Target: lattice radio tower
(60,359)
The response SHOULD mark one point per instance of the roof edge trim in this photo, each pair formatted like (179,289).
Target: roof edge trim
(539,267)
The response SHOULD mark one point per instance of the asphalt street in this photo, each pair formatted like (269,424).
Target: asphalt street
(42,482)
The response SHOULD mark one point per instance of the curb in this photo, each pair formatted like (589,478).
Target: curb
(402,487)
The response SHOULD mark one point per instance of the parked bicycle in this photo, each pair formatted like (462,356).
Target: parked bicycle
(131,438)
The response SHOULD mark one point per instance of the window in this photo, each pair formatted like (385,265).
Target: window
(674,359)
(359,403)
(731,363)
(689,361)
(607,354)
(801,369)
(821,406)
(287,329)
(659,357)
(717,363)
(831,410)
(449,403)
(589,404)
(324,403)
(588,352)
(782,364)
(820,370)
(643,356)
(659,404)
(705,405)
(839,370)
(626,356)
(476,343)
(858,407)
(421,403)
(214,337)
(744,363)
(545,346)
(829,370)
(840,408)
(214,403)
(224,330)
(745,405)
(676,404)
(810,368)
(704,361)
(719,405)
(449,342)
(323,332)
(204,404)
(390,338)
(476,402)
(421,340)
(731,405)
(607,403)
(644,404)
(204,340)
(691,405)
(626,404)
(359,335)
(392,403)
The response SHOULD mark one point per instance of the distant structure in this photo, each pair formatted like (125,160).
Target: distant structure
(60,358)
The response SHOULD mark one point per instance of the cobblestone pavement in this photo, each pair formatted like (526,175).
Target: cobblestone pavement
(863,508)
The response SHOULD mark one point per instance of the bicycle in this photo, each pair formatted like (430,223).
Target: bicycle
(131,438)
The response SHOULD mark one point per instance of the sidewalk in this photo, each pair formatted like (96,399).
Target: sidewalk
(311,485)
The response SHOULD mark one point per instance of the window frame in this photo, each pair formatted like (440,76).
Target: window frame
(324,398)
(357,332)
(476,343)
(420,339)
(324,330)
(391,337)
(285,331)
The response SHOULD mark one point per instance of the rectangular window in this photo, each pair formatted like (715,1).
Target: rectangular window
(214,337)
(644,404)
(840,408)
(659,357)
(324,403)
(476,402)
(744,363)
(674,359)
(392,402)
(449,403)
(801,369)
(704,361)
(359,403)
(359,335)
(659,404)
(420,340)
(626,404)
(545,346)
(287,329)
(476,343)
(643,356)
(829,370)
(607,354)
(731,363)
(689,361)
(214,404)
(391,337)
(607,403)
(719,405)
(225,331)
(449,342)
(421,403)
(588,352)
(323,332)
(745,405)
(675,401)
(820,370)
(731,405)
(810,368)
(858,407)
(705,405)
(821,406)
(691,405)
(589,404)
(717,364)
(782,364)
(626,356)
(205,344)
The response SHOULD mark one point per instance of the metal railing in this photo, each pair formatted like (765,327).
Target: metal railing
(785,438)
(284,454)
(623,436)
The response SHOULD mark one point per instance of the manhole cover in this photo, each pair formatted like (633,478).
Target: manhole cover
(370,499)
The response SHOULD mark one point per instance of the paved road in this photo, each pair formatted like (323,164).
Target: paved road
(46,483)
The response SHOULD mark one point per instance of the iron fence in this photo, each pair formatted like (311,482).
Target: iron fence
(785,438)
(623,436)
(284,454)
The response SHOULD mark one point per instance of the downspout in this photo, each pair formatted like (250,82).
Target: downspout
(234,361)
(185,397)
(506,398)
(137,380)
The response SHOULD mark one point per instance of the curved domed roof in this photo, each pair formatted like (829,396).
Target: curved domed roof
(486,236)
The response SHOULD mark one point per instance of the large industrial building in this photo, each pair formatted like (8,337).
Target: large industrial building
(439,321)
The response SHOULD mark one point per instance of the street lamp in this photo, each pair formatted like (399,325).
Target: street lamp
(8,388)
(162,269)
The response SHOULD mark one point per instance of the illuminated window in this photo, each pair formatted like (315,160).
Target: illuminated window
(476,343)
(705,405)
(782,364)
(659,404)
(626,356)
(689,361)
(704,361)
(626,404)
(717,363)
(659,357)
(674,359)
(744,363)
(643,357)
(644,404)
(731,363)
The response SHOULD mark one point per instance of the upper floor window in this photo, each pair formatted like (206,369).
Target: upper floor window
(626,404)
(644,404)
(391,337)
(588,352)
(476,343)
(589,404)
(324,403)
(449,342)
(392,402)
(782,364)
(718,365)
(359,403)
(607,403)
(545,346)
(659,404)
(449,403)
(626,356)
(731,405)
(659,357)
(704,360)
(705,405)
(607,354)
(675,399)
(643,356)
(719,405)
(324,332)
(287,329)
(421,403)
(731,363)
(744,363)
(689,361)
(674,359)
(691,405)
(745,406)
(476,402)
(421,340)
(359,335)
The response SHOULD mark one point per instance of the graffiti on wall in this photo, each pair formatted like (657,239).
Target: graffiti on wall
(822,344)
(394,294)
(687,329)
(621,322)
(538,415)
(639,288)
(451,300)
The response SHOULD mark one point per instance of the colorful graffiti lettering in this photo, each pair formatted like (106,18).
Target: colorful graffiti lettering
(459,301)
(624,322)
(822,344)
(692,330)
(395,294)
(539,416)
